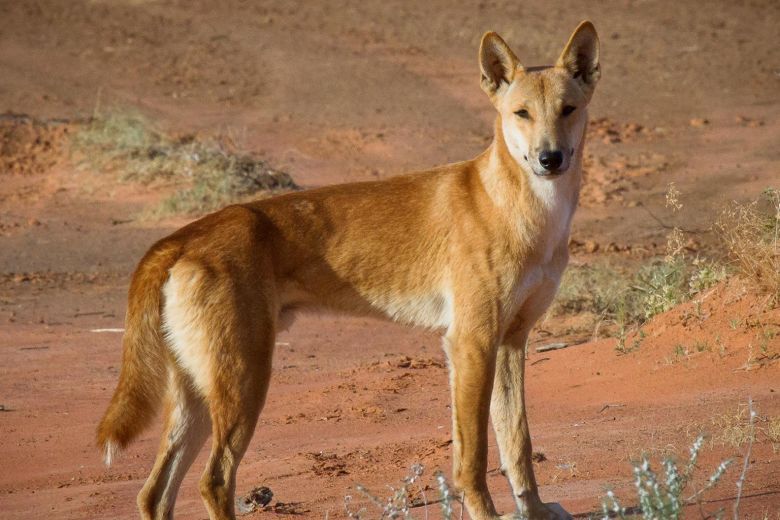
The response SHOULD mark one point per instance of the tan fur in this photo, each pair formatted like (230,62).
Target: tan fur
(475,248)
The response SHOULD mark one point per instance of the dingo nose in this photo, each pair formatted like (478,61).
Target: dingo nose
(551,160)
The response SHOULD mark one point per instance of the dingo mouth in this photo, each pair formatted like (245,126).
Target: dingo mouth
(550,173)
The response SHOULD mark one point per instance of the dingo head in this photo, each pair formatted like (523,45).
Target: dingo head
(542,109)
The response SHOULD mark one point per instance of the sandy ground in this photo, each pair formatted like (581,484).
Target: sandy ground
(341,91)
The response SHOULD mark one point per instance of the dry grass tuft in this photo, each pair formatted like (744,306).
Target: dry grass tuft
(210,174)
(599,287)
(751,234)
(733,429)
(773,432)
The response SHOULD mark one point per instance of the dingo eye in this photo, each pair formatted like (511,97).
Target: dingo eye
(523,113)
(568,109)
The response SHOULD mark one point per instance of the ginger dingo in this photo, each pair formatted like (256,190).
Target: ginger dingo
(476,249)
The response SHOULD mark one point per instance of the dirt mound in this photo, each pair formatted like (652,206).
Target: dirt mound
(29,146)
(728,327)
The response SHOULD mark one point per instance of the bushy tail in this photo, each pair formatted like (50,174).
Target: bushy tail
(143,377)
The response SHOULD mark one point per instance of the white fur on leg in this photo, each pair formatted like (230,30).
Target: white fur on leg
(111,452)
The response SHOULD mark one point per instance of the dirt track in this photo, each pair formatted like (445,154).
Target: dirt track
(353,92)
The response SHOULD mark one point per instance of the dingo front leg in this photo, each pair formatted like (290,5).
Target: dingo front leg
(472,365)
(507,410)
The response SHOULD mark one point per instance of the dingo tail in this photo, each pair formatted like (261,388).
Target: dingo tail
(143,377)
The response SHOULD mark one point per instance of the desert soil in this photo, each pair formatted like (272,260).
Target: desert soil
(348,91)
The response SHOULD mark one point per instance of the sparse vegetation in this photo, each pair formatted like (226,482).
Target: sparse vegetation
(209,174)
(736,429)
(663,497)
(598,287)
(623,347)
(627,300)
(662,285)
(679,352)
(733,429)
(705,274)
(773,432)
(663,500)
(750,233)
(721,346)
(403,499)
(659,496)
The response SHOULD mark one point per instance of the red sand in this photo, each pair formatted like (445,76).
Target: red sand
(335,94)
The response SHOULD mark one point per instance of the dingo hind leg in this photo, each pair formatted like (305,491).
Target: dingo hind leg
(221,322)
(186,429)
(236,398)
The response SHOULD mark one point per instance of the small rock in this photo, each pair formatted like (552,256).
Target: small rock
(255,499)
(699,122)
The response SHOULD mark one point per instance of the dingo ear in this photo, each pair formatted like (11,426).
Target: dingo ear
(497,63)
(580,57)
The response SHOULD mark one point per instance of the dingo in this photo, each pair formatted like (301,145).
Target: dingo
(475,248)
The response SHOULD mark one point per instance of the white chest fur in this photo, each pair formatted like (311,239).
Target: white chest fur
(558,200)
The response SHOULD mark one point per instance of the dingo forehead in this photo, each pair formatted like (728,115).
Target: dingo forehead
(542,89)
